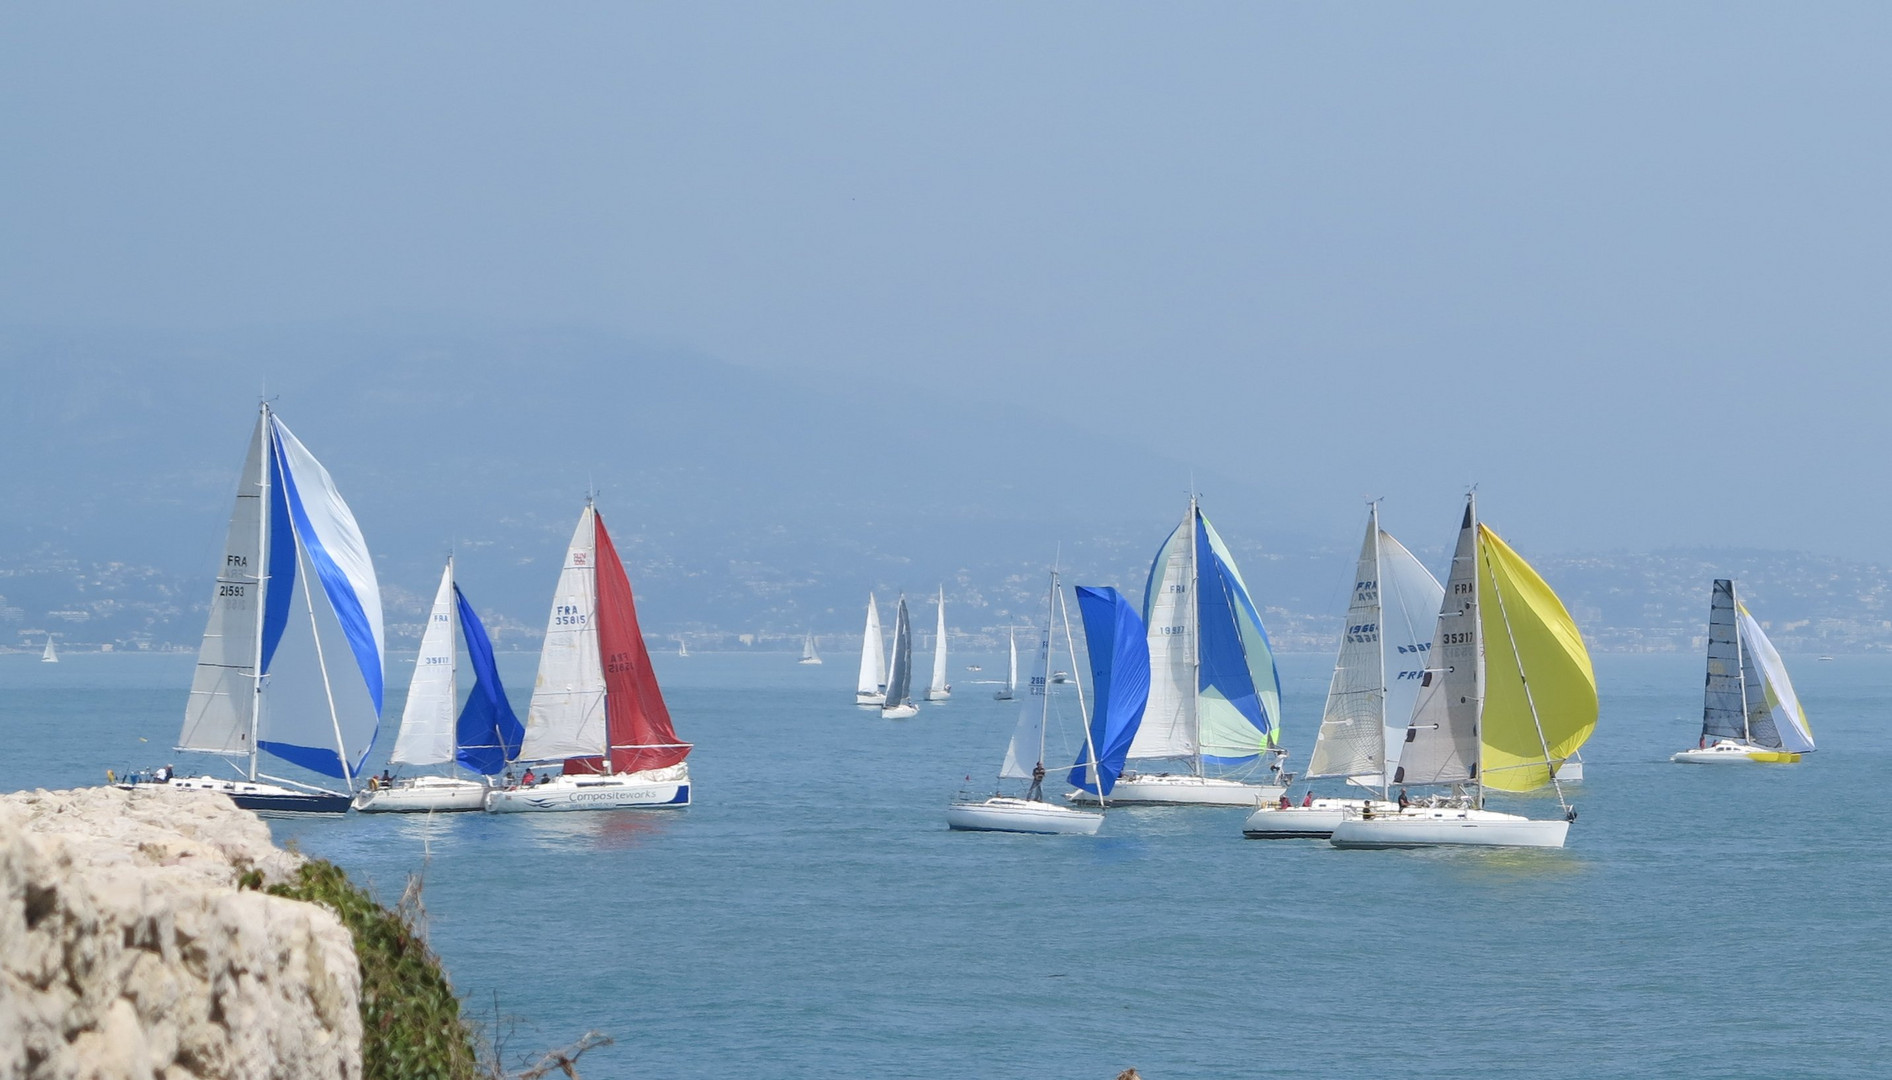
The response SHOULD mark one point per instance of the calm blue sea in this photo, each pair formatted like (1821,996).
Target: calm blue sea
(811,916)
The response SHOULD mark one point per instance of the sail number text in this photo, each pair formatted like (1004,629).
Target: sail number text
(1464,638)
(568,615)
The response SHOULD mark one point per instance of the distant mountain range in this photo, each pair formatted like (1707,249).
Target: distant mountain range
(743,503)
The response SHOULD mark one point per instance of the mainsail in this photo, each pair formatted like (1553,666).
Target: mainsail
(900,672)
(1724,708)
(1215,695)
(938,685)
(1026,749)
(1120,668)
(873,674)
(426,736)
(263,679)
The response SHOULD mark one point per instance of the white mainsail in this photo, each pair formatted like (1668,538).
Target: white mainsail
(1409,614)
(1169,720)
(566,717)
(938,686)
(221,712)
(873,675)
(48,655)
(808,653)
(427,736)
(1442,737)
(1023,753)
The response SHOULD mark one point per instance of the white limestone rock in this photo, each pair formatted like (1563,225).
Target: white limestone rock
(127,949)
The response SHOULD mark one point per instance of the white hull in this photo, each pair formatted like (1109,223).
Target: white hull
(1447,827)
(657,789)
(425,794)
(809,660)
(1314,822)
(869,701)
(1002,695)
(1002,814)
(940,695)
(899,712)
(1728,752)
(1184,790)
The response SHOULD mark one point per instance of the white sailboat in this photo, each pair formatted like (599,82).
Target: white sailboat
(1120,661)
(898,701)
(264,683)
(481,738)
(1508,694)
(1006,692)
(1750,712)
(808,654)
(48,656)
(1383,650)
(597,713)
(939,689)
(1215,697)
(870,690)
(683,648)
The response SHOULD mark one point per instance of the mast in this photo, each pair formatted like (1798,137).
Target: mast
(1478,654)
(1379,653)
(1195,637)
(268,436)
(604,692)
(453,668)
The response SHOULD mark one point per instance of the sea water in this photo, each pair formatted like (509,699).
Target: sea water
(811,916)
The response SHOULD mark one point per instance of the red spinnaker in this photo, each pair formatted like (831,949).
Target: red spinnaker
(636,721)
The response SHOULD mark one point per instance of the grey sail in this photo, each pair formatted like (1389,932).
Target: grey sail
(1442,739)
(1352,738)
(221,712)
(900,674)
(1724,703)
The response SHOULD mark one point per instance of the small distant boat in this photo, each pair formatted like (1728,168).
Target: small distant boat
(1120,661)
(898,701)
(1750,712)
(596,708)
(1824,659)
(1508,694)
(1010,688)
(974,667)
(870,689)
(482,738)
(683,648)
(49,656)
(939,689)
(808,654)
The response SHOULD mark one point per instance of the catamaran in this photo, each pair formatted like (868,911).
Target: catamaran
(264,683)
(938,689)
(1005,693)
(48,656)
(596,709)
(482,738)
(1120,664)
(808,654)
(870,691)
(897,703)
(1750,712)
(1507,695)
(1382,660)
(1215,697)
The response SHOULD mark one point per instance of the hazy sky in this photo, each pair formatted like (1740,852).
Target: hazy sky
(1625,265)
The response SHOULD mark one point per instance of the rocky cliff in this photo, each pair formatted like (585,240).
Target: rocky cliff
(134,942)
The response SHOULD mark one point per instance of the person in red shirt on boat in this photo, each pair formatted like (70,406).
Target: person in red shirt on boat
(1283,804)
(528,780)
(1308,799)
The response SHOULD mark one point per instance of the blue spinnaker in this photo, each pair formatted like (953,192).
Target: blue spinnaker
(279,562)
(488,731)
(1119,649)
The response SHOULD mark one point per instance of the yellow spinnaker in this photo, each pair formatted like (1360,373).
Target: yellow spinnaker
(1527,630)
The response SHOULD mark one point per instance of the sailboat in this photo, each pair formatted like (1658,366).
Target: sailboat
(898,701)
(482,738)
(1120,663)
(683,648)
(1215,697)
(1508,694)
(48,656)
(269,678)
(871,688)
(1005,693)
(808,654)
(596,704)
(939,689)
(1750,712)
(1382,660)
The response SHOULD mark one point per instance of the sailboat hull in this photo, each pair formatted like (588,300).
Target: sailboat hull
(1184,790)
(1002,695)
(1448,827)
(658,789)
(1728,752)
(1002,814)
(900,712)
(267,799)
(869,701)
(1316,822)
(426,794)
(940,695)
(809,660)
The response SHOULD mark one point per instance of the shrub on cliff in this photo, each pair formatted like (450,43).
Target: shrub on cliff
(411,1023)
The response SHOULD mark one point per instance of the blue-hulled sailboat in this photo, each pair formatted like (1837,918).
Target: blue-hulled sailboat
(483,738)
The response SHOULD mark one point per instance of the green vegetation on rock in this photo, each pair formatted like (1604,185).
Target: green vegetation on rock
(411,1023)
